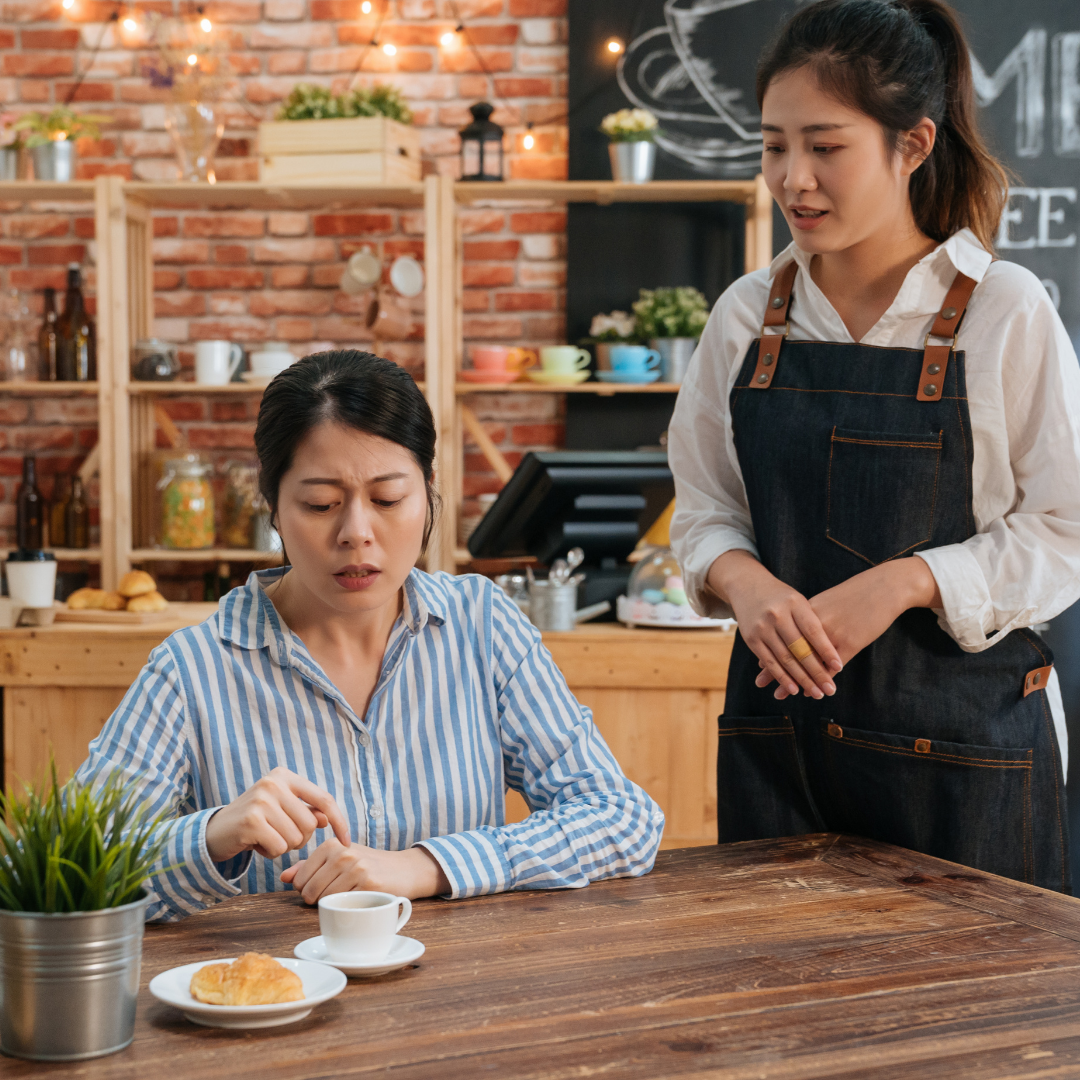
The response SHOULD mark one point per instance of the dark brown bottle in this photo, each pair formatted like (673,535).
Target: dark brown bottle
(47,339)
(58,512)
(77,517)
(29,508)
(75,339)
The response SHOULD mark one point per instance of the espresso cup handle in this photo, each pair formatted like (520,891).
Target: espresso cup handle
(406,912)
(236,358)
(582,360)
(653,360)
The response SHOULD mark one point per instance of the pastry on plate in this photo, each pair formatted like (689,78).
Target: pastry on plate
(114,602)
(151,601)
(87,599)
(136,583)
(252,979)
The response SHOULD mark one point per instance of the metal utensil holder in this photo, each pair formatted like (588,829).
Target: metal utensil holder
(552,606)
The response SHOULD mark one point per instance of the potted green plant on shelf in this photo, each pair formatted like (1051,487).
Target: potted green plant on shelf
(362,136)
(632,134)
(73,861)
(51,139)
(617,328)
(671,320)
(11,149)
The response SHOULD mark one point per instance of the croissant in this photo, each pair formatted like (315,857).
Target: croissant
(252,979)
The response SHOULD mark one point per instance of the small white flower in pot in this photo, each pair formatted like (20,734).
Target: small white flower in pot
(632,133)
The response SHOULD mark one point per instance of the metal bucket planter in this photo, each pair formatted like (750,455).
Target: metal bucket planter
(54,160)
(632,162)
(675,354)
(11,163)
(69,982)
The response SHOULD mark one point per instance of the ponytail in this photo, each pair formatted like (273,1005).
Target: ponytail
(898,61)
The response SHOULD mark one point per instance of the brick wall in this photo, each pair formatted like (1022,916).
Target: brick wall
(254,277)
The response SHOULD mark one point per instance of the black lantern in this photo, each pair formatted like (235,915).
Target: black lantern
(482,145)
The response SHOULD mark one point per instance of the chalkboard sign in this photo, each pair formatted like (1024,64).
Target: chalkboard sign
(691,62)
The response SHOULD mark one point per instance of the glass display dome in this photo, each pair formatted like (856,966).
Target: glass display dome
(657,596)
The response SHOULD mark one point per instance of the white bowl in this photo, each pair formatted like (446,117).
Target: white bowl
(321,982)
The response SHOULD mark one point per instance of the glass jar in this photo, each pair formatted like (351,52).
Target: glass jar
(187,503)
(656,595)
(241,504)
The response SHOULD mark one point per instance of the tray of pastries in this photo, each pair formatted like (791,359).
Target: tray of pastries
(136,600)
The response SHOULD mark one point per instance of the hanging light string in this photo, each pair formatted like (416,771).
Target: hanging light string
(114,17)
(370,45)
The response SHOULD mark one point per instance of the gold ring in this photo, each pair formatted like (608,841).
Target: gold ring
(800,649)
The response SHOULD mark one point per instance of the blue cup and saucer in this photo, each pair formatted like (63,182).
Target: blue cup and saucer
(632,364)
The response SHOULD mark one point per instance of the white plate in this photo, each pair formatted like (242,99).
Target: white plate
(407,276)
(623,608)
(404,950)
(321,983)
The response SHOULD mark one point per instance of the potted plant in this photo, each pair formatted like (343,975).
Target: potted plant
(671,320)
(632,133)
(11,148)
(618,328)
(362,136)
(51,139)
(73,860)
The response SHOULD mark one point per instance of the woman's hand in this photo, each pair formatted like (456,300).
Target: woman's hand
(772,616)
(334,867)
(278,813)
(858,611)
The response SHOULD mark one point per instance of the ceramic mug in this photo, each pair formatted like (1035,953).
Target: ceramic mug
(564,359)
(499,358)
(362,272)
(634,359)
(270,362)
(216,362)
(361,925)
(388,318)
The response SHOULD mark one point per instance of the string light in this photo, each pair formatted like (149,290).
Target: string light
(614,46)
(390,49)
(448,40)
(192,60)
(206,25)
(130,24)
(528,142)
(365,7)
(69,4)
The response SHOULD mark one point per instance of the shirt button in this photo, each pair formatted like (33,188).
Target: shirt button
(365,739)
(376,812)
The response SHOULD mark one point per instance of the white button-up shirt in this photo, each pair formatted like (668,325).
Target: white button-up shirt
(1023,564)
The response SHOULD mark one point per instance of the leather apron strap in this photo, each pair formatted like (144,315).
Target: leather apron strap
(946,325)
(776,314)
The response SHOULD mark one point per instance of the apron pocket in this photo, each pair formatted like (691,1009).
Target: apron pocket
(761,787)
(881,491)
(968,804)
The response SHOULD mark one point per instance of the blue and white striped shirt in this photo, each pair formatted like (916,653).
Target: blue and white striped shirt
(467,703)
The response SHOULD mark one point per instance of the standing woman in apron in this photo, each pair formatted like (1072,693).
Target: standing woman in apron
(877,465)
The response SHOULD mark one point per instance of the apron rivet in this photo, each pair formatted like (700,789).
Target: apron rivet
(949,313)
(778,302)
(767,359)
(763,378)
(922,746)
(836,731)
(1037,678)
(929,389)
(933,369)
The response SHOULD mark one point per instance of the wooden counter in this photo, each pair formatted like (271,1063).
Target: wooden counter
(655,696)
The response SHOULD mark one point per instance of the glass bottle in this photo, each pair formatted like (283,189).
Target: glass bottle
(47,339)
(29,508)
(77,517)
(58,512)
(76,348)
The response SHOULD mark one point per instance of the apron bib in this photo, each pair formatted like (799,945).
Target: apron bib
(853,455)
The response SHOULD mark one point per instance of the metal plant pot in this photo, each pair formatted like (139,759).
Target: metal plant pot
(54,160)
(632,162)
(69,982)
(10,163)
(675,354)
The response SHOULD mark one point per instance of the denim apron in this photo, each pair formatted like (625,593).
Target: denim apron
(853,455)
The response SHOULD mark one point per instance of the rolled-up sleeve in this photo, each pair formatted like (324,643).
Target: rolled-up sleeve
(1022,567)
(588,821)
(146,740)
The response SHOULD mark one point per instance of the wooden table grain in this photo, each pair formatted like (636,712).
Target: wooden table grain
(817,956)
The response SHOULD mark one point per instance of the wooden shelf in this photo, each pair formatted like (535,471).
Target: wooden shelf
(47,190)
(603,389)
(607,191)
(48,389)
(205,555)
(255,196)
(65,554)
(161,389)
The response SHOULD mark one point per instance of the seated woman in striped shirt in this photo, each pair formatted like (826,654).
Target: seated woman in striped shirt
(351,722)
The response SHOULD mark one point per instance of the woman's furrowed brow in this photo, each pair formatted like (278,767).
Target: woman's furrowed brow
(336,481)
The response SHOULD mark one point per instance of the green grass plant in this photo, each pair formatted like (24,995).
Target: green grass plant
(74,847)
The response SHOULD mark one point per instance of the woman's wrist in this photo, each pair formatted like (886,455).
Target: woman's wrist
(912,582)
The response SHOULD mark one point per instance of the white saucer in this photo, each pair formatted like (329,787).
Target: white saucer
(320,984)
(405,950)
(256,380)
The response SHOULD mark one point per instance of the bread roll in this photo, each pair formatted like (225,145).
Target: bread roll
(87,599)
(252,979)
(114,602)
(136,583)
(151,601)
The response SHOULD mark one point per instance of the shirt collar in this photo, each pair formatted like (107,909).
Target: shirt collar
(248,619)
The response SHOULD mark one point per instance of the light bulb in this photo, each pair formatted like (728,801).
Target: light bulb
(192,60)
(390,50)
(448,40)
(69,4)
(130,24)
(206,25)
(365,7)
(614,46)
(528,142)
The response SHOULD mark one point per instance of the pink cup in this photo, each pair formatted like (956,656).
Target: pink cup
(499,358)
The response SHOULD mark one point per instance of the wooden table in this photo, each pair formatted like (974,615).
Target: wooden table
(655,696)
(818,956)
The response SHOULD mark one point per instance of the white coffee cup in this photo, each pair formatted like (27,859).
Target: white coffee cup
(31,583)
(270,362)
(216,362)
(361,925)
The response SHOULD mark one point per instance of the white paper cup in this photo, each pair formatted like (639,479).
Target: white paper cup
(361,925)
(32,583)
(270,363)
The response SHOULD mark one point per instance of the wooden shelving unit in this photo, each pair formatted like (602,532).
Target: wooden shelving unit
(125,304)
